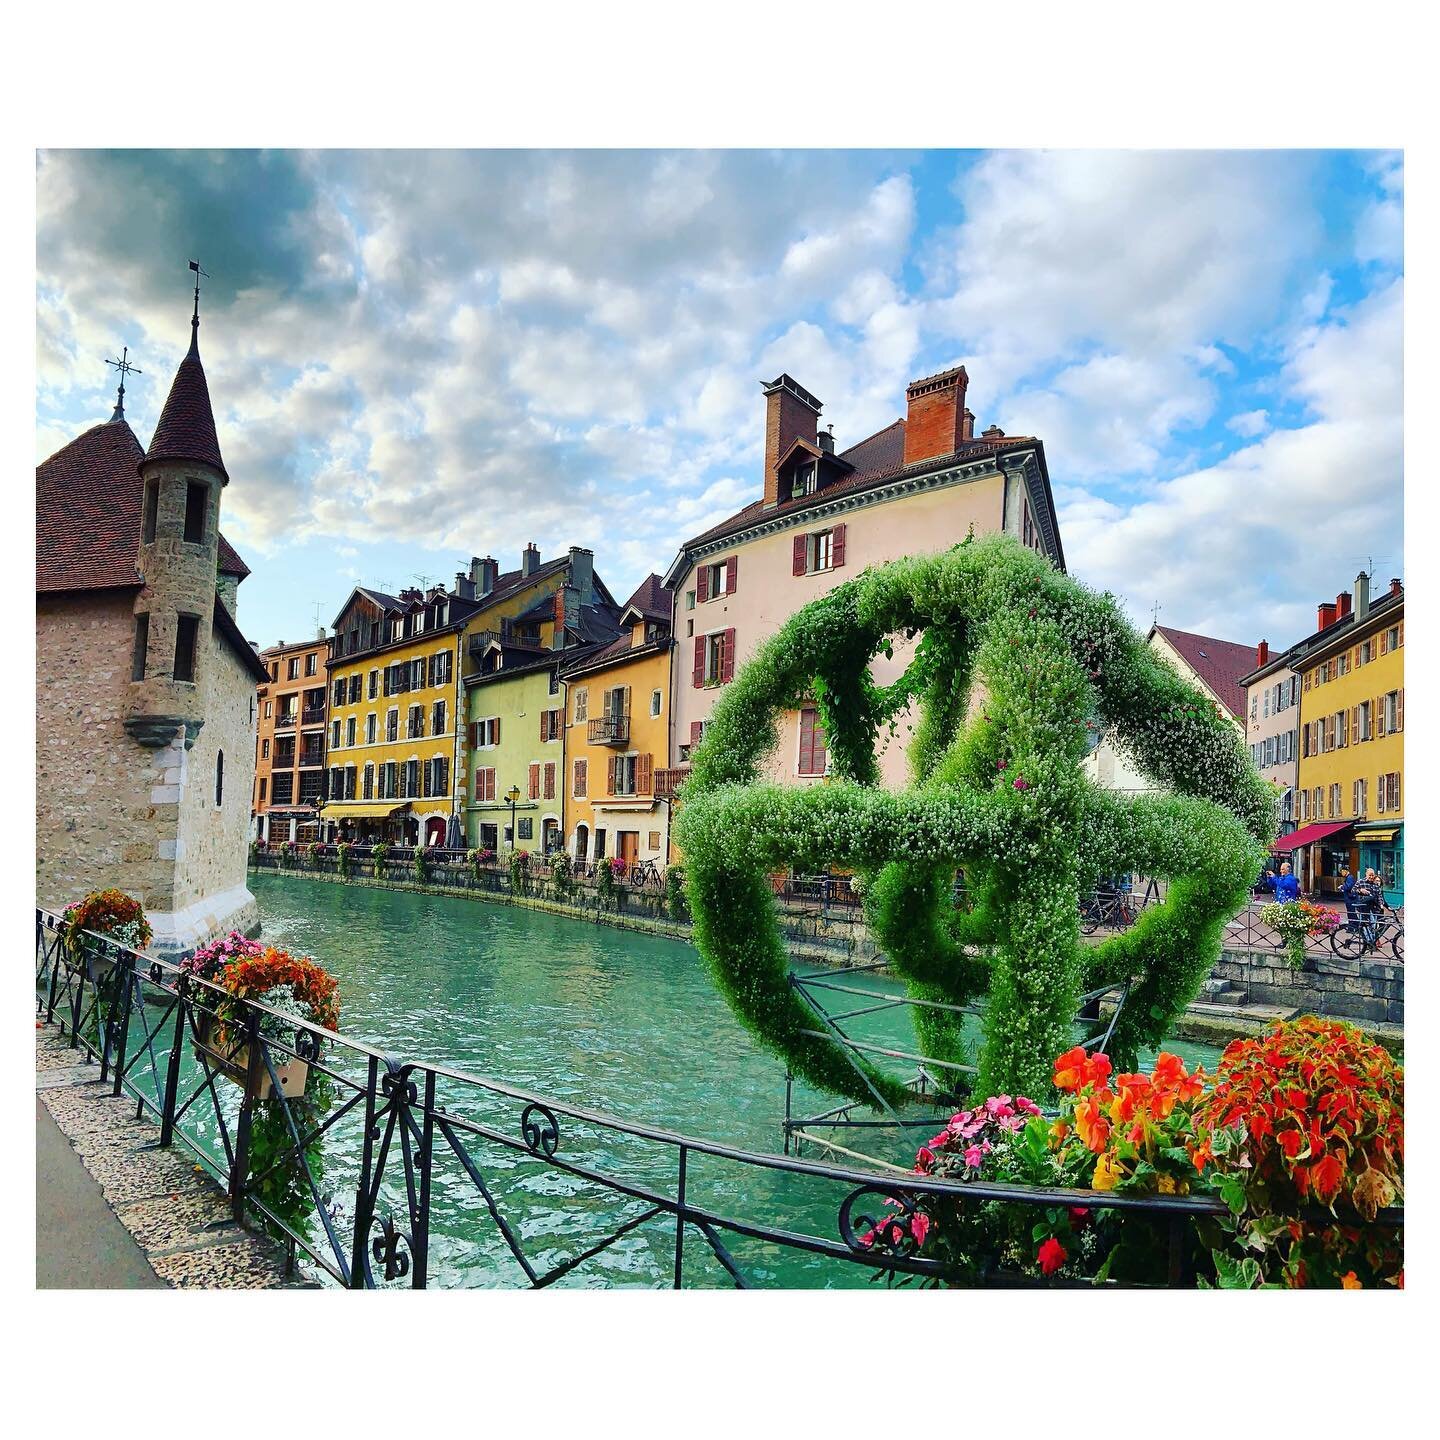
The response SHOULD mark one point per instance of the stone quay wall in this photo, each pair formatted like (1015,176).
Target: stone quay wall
(1359,990)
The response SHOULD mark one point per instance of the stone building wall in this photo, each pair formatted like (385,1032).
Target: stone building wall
(213,842)
(1357,990)
(96,821)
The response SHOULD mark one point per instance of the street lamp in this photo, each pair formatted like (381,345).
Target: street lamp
(512,795)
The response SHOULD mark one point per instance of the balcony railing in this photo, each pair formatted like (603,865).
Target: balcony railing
(667,782)
(313,716)
(286,721)
(610,730)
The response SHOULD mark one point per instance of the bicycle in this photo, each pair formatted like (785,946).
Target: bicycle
(1359,937)
(644,873)
(1105,908)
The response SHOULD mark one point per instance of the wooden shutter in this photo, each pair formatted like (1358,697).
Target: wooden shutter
(549,779)
(495,731)
(1380,794)
(534,781)
(699,662)
(1400,709)
(582,778)
(644,771)
(727,657)
(610,776)
(624,693)
(732,568)
(1400,633)
(1379,703)
(837,546)
(697,732)
(544,724)
(799,552)
(702,584)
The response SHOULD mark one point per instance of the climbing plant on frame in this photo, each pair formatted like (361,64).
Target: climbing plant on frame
(1016,665)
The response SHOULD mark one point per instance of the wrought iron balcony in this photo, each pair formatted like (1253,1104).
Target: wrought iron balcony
(313,716)
(286,722)
(610,730)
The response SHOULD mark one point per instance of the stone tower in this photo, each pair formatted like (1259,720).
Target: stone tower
(183,476)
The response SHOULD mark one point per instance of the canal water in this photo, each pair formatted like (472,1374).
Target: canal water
(615,1021)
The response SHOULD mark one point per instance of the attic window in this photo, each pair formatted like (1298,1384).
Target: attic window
(804,483)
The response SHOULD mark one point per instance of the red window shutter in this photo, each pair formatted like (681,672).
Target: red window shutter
(610,776)
(807,740)
(473,731)
(837,546)
(544,725)
(732,567)
(644,771)
(581,778)
(549,779)
(727,657)
(697,731)
(1384,642)
(702,584)
(699,662)
(799,551)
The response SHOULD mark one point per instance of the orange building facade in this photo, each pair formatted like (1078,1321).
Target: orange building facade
(290,742)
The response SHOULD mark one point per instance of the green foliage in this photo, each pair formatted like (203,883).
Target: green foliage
(1016,664)
(675,894)
(604,884)
(562,876)
(378,857)
(276,1174)
(344,852)
(519,872)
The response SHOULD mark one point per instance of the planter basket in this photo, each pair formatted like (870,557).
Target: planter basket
(292,1074)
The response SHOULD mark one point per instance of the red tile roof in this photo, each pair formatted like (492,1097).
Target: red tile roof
(187,425)
(651,599)
(1221,664)
(87,514)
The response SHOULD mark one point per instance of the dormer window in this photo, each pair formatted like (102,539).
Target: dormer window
(804,482)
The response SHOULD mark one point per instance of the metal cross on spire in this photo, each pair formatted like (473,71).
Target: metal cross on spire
(125,368)
(195,319)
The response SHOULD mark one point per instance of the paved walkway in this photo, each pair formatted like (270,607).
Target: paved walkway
(80,1243)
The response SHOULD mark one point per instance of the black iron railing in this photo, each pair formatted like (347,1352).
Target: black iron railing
(411,1128)
(609,730)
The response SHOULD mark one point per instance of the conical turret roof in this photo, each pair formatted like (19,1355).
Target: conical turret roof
(187,424)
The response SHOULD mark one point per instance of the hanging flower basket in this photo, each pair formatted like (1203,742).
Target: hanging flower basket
(104,912)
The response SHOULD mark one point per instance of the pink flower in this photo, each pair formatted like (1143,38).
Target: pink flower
(1001,764)
(1027,1105)
(940,1141)
(919,1226)
(1012,1122)
(1021,783)
(925,1160)
(973,1157)
(959,1120)
(998,1105)
(1051,1256)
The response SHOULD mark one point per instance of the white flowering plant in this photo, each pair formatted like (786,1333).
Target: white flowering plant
(1016,665)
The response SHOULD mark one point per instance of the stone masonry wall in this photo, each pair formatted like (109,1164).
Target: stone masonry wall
(1358,990)
(96,823)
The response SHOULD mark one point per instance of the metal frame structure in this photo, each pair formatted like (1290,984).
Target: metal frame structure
(420,1125)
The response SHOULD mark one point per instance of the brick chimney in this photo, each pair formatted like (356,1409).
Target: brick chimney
(1396,588)
(967,424)
(530,559)
(935,421)
(1325,615)
(1262,654)
(791,414)
(1342,605)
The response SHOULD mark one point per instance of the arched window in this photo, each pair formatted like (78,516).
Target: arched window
(219,778)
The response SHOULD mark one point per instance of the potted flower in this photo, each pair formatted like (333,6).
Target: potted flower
(209,964)
(103,912)
(1295,921)
(281,981)
(289,854)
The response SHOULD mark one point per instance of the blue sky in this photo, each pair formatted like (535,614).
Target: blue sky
(416,357)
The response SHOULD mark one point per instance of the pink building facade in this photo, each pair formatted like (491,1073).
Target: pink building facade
(917,487)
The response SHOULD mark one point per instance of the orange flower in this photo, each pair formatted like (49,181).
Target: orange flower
(1091,1124)
(1349,1281)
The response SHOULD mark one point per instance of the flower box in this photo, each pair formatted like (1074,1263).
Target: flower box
(234,1067)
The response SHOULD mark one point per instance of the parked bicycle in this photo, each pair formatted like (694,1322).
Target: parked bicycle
(645,873)
(1107,908)
(1364,933)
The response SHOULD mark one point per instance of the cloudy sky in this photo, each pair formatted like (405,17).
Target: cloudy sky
(417,357)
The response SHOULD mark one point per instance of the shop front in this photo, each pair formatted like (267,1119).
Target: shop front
(1319,854)
(1382,849)
(367,823)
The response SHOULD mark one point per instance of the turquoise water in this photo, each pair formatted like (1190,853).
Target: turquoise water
(611,1020)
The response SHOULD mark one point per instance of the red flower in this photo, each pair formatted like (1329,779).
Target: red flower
(1051,1256)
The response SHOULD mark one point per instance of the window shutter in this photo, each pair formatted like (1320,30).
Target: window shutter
(1400,633)
(644,770)
(605,709)
(727,656)
(699,662)
(625,700)
(581,778)
(702,584)
(549,779)
(1380,716)
(1379,794)
(837,546)
(697,732)
(799,549)
(544,720)
(1400,709)
(610,776)
(534,781)
(732,568)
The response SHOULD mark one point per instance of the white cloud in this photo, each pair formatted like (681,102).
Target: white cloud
(1250,423)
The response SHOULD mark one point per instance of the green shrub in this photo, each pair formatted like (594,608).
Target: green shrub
(378,857)
(344,853)
(675,893)
(422,865)
(997,791)
(562,876)
(604,884)
(519,872)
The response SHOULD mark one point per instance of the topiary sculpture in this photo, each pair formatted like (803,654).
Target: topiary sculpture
(1016,665)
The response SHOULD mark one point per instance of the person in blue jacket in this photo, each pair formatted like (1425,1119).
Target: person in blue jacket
(1287,887)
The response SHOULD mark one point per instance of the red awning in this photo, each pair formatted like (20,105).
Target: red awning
(1309,834)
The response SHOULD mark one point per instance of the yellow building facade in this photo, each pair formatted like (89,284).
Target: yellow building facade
(1352,741)
(617,790)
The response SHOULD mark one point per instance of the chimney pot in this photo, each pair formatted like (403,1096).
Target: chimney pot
(935,415)
(530,559)
(791,414)
(967,424)
(1342,604)
(1262,654)
(1396,587)
(826,439)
